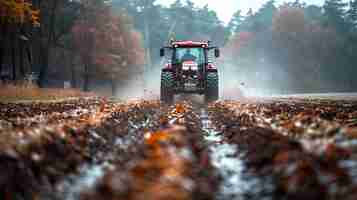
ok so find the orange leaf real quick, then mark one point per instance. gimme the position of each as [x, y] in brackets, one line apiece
[155, 138]
[351, 132]
[180, 108]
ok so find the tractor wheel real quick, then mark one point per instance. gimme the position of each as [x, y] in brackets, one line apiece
[167, 87]
[211, 87]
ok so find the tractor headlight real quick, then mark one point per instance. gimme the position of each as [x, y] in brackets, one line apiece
[185, 67]
[190, 66]
[194, 67]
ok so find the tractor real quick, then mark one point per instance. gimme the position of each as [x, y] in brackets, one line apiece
[189, 70]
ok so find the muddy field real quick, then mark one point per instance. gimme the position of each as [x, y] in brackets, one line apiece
[88, 149]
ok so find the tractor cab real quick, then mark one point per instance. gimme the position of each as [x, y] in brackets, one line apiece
[188, 70]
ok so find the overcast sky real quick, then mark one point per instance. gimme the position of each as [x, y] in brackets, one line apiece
[226, 8]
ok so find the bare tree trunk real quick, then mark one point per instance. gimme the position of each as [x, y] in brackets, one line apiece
[13, 56]
[44, 54]
[29, 57]
[73, 73]
[73, 77]
[114, 85]
[86, 78]
[1, 56]
[21, 58]
[2, 42]
[46, 47]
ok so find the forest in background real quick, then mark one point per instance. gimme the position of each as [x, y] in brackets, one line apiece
[295, 47]
[285, 48]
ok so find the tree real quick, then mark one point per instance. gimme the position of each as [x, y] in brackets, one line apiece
[249, 21]
[334, 15]
[149, 19]
[207, 26]
[18, 12]
[295, 4]
[235, 23]
[352, 13]
[181, 20]
[289, 29]
[259, 21]
[195, 23]
[57, 17]
[352, 36]
[313, 13]
[289, 20]
[106, 43]
[263, 18]
[84, 42]
[17, 17]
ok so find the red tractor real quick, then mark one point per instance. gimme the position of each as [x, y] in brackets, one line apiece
[189, 70]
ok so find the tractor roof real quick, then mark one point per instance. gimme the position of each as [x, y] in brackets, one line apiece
[188, 43]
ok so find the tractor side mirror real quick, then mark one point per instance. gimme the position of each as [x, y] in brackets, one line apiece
[162, 52]
[217, 53]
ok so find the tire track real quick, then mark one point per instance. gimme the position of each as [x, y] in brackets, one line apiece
[291, 171]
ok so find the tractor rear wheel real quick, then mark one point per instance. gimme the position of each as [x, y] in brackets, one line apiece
[167, 87]
[211, 93]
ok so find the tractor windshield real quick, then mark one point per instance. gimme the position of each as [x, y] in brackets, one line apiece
[189, 54]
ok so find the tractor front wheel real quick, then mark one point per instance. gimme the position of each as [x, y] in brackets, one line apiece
[211, 93]
[167, 87]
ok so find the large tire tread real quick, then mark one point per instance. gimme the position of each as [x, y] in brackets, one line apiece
[212, 91]
[167, 87]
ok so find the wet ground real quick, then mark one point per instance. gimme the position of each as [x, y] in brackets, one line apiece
[271, 148]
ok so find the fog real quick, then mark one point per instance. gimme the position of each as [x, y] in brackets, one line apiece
[276, 48]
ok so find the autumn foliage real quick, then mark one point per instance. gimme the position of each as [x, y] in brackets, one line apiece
[291, 44]
[19, 12]
[289, 20]
[107, 41]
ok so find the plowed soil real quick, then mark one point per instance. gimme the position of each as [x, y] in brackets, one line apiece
[88, 149]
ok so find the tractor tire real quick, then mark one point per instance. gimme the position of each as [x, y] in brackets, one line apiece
[211, 93]
[167, 87]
